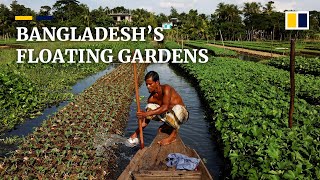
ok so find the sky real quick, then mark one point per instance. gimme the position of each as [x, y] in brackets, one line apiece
[163, 6]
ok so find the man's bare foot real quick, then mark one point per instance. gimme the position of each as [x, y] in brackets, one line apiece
[167, 141]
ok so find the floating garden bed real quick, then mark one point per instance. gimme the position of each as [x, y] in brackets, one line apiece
[65, 145]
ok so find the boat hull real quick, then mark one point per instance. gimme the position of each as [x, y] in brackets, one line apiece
[150, 163]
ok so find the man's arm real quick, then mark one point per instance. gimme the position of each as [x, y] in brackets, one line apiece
[163, 108]
[165, 103]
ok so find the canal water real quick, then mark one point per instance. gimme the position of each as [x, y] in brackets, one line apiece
[195, 133]
[252, 58]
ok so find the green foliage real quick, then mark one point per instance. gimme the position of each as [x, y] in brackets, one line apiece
[250, 103]
[302, 65]
[17, 96]
[12, 140]
[143, 18]
[228, 20]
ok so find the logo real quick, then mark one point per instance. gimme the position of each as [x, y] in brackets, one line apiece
[297, 20]
[30, 18]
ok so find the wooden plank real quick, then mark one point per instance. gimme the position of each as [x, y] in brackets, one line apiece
[166, 178]
[155, 157]
[161, 175]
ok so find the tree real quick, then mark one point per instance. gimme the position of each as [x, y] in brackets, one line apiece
[229, 20]
[268, 9]
[19, 10]
[100, 18]
[161, 18]
[314, 25]
[315, 20]
[65, 10]
[251, 8]
[86, 14]
[173, 13]
[143, 18]
[4, 23]
[252, 18]
[66, 2]
[45, 10]
[119, 9]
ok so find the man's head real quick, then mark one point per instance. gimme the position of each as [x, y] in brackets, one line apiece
[152, 81]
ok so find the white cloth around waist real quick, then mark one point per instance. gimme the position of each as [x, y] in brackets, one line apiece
[178, 113]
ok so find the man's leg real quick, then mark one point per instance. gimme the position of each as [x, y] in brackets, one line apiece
[164, 128]
[173, 125]
[145, 123]
[172, 138]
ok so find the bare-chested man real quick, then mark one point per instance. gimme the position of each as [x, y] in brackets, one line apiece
[164, 104]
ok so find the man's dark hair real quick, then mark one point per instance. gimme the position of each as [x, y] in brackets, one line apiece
[152, 74]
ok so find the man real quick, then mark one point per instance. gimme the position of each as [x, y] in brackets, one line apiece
[164, 104]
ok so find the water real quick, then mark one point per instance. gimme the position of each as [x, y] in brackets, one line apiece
[104, 142]
[247, 57]
[108, 140]
[88, 81]
[195, 133]
[28, 126]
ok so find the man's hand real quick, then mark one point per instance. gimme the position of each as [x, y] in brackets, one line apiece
[142, 115]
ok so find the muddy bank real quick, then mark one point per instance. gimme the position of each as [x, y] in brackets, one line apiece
[10, 46]
[248, 51]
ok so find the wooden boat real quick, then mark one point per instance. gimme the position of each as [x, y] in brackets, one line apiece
[149, 163]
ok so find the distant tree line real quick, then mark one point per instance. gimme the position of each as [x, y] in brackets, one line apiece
[251, 22]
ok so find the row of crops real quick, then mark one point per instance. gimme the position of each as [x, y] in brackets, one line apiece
[64, 147]
[216, 51]
[307, 86]
[26, 89]
[302, 65]
[250, 102]
[273, 47]
[265, 46]
[252, 115]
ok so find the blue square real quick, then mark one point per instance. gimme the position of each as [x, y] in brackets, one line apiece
[302, 20]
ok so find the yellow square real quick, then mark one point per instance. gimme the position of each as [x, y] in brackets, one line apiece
[23, 18]
[292, 20]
